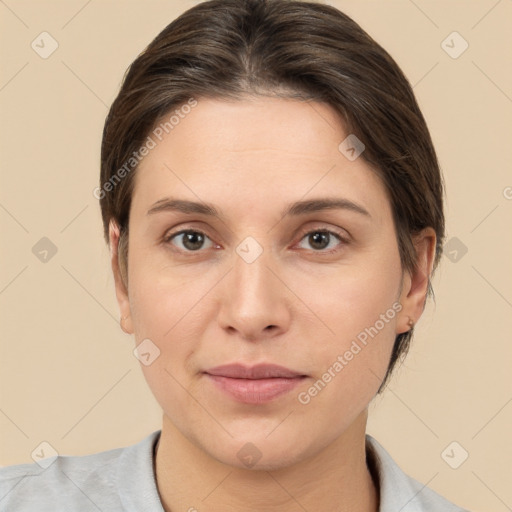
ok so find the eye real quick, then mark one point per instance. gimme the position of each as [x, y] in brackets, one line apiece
[320, 239]
[191, 240]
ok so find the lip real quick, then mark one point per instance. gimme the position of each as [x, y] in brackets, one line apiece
[259, 371]
[254, 384]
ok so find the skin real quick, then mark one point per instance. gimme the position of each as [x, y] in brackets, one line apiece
[251, 159]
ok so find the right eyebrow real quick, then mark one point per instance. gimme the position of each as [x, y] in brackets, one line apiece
[183, 206]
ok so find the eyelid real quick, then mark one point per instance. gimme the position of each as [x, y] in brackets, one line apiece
[167, 238]
[341, 233]
[343, 240]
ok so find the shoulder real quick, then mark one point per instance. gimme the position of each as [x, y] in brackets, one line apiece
[65, 481]
[399, 491]
[81, 483]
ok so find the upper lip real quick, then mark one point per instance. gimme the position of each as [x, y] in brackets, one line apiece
[259, 371]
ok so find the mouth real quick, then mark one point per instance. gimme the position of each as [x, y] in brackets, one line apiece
[259, 371]
[254, 384]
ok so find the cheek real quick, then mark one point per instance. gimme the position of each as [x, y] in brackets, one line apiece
[351, 364]
[162, 299]
[168, 308]
[172, 318]
[353, 297]
[359, 306]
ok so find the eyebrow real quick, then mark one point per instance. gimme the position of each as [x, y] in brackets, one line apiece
[295, 209]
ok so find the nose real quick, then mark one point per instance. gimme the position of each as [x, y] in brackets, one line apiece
[255, 301]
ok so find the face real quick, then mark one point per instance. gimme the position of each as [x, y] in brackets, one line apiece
[315, 290]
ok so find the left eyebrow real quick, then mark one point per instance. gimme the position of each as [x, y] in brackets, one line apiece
[315, 205]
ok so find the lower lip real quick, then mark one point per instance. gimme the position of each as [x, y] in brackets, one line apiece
[255, 391]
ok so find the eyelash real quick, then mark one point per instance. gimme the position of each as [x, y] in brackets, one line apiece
[339, 236]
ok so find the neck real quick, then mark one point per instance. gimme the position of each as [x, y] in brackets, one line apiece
[337, 479]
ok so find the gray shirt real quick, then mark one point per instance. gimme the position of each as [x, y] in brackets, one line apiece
[123, 479]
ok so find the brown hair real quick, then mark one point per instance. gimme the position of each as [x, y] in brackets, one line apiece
[293, 49]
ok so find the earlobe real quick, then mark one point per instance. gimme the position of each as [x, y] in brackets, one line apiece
[120, 288]
[415, 284]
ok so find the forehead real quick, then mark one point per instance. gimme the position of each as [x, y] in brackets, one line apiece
[256, 151]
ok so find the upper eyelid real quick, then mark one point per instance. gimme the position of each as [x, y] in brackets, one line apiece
[169, 236]
[304, 231]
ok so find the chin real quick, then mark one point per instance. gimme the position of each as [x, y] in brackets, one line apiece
[255, 453]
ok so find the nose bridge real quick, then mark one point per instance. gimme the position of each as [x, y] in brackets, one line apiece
[253, 299]
[250, 272]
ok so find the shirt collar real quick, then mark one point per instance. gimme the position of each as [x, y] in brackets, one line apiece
[398, 492]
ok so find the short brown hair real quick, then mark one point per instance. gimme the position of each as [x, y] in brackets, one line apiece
[227, 49]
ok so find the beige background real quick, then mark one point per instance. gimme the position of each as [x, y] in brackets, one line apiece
[67, 372]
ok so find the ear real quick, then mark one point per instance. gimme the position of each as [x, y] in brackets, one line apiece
[415, 284]
[121, 290]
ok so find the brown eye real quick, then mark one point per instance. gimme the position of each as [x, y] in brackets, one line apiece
[188, 240]
[321, 239]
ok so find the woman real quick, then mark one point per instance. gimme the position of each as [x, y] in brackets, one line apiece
[273, 204]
